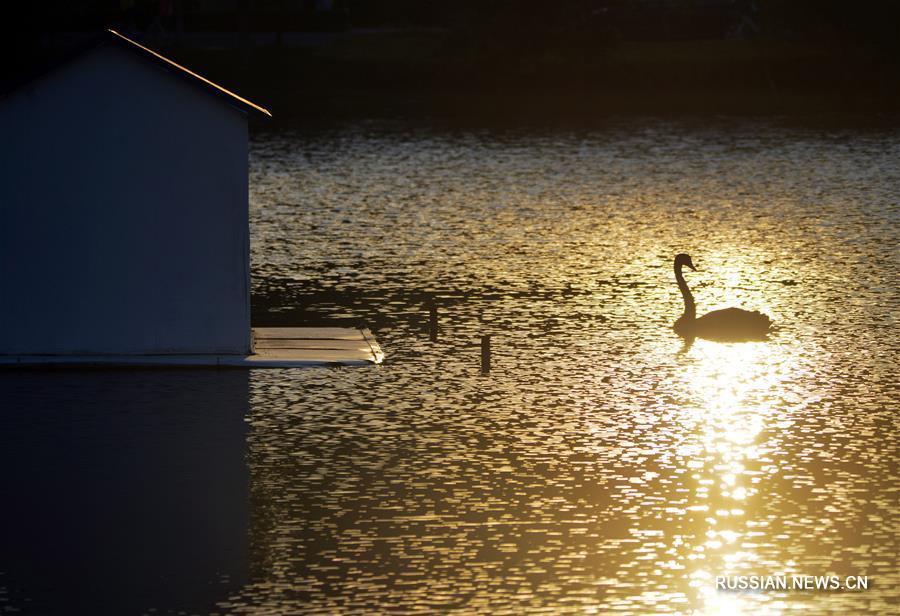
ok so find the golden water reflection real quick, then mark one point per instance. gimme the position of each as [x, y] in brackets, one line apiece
[727, 398]
[735, 391]
[599, 467]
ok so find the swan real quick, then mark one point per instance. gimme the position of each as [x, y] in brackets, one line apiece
[732, 324]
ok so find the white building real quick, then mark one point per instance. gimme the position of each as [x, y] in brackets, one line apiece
[124, 210]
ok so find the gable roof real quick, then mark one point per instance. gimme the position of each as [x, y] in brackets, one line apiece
[182, 71]
[111, 37]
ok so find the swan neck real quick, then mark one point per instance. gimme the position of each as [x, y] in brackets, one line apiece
[690, 309]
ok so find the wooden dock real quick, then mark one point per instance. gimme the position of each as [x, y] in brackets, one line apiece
[286, 347]
[273, 347]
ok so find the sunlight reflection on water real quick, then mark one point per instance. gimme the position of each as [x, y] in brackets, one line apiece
[600, 467]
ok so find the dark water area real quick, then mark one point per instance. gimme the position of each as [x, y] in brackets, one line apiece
[123, 490]
[601, 467]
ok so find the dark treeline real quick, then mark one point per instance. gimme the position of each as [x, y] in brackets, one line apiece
[616, 55]
[862, 20]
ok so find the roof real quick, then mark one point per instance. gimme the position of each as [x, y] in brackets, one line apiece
[203, 81]
[112, 37]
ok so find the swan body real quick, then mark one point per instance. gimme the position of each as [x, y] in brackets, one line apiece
[731, 324]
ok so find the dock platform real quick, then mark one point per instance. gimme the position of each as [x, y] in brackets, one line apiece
[287, 347]
[273, 347]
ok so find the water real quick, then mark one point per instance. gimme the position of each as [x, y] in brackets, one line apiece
[602, 466]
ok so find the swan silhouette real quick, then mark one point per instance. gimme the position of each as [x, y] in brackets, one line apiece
[730, 324]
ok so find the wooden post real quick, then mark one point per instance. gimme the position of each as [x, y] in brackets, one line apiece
[432, 321]
[485, 353]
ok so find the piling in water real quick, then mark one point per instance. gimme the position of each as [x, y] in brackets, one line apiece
[486, 353]
[432, 322]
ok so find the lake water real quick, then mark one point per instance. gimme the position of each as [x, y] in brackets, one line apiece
[601, 466]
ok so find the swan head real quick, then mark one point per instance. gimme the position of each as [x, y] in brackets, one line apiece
[684, 259]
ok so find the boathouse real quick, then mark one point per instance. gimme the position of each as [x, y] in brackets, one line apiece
[124, 222]
[124, 209]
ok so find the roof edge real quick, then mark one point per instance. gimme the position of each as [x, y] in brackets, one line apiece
[167, 62]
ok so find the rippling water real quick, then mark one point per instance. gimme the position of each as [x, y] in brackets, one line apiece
[601, 466]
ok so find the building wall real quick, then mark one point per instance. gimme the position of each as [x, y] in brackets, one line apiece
[123, 213]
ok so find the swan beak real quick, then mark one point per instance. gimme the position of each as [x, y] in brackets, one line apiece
[691, 265]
